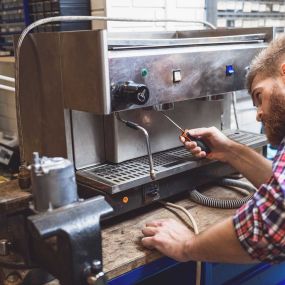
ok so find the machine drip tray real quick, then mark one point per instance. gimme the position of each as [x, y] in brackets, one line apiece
[113, 178]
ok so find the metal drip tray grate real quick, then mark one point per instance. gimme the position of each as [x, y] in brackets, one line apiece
[136, 168]
[244, 138]
[135, 172]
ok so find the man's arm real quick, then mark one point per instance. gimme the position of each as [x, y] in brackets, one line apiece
[217, 244]
[249, 163]
[252, 165]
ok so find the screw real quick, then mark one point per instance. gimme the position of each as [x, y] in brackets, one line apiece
[96, 265]
[93, 279]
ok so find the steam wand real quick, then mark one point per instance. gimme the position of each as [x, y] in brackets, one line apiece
[135, 126]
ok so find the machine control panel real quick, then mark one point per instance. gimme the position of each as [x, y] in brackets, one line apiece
[130, 92]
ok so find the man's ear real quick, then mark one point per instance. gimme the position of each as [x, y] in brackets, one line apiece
[283, 69]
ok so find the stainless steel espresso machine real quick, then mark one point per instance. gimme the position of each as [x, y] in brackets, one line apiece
[96, 98]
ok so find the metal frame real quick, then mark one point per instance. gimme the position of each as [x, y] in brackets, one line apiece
[143, 274]
[212, 273]
[211, 11]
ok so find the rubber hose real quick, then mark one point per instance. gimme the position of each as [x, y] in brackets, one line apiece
[227, 203]
[236, 183]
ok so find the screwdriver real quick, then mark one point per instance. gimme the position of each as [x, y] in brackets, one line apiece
[188, 137]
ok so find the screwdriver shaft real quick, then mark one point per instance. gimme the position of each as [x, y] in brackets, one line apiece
[173, 122]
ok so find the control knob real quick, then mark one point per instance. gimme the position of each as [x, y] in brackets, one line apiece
[131, 92]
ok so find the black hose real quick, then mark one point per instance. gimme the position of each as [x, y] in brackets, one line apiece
[227, 203]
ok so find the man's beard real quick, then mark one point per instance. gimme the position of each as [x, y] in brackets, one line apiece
[274, 121]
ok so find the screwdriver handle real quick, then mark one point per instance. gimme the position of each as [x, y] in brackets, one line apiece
[199, 142]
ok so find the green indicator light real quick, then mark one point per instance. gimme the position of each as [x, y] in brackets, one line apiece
[144, 72]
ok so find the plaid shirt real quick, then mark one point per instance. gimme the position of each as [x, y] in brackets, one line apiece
[260, 223]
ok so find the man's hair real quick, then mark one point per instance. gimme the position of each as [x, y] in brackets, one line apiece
[267, 62]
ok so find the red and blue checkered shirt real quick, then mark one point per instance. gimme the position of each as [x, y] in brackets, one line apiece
[260, 223]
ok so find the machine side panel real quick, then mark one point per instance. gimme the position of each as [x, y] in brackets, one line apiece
[83, 71]
[88, 138]
[40, 114]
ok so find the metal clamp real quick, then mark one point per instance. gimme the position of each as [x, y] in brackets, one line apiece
[75, 233]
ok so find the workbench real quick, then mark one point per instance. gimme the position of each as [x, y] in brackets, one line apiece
[9, 59]
[127, 262]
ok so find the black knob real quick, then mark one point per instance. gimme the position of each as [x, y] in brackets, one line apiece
[131, 92]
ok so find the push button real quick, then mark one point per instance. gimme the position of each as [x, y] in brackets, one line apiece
[177, 75]
[229, 70]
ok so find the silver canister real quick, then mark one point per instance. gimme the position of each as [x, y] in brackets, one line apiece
[53, 183]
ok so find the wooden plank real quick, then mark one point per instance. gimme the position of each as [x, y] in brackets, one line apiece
[7, 59]
[12, 197]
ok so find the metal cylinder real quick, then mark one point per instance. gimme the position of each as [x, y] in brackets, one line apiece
[53, 183]
[4, 247]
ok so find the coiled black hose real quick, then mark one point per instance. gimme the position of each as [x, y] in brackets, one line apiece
[227, 203]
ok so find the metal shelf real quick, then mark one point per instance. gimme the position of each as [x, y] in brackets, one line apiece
[260, 1]
[251, 14]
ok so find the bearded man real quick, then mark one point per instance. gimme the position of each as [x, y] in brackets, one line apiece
[257, 231]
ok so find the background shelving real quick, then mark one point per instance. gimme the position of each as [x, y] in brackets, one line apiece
[250, 13]
[15, 15]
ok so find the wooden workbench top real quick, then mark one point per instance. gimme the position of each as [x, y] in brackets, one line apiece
[122, 249]
[121, 238]
[9, 59]
[12, 197]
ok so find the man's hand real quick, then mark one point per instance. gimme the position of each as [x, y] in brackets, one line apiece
[169, 237]
[218, 243]
[214, 138]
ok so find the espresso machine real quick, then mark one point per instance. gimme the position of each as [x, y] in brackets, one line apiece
[94, 113]
[99, 99]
